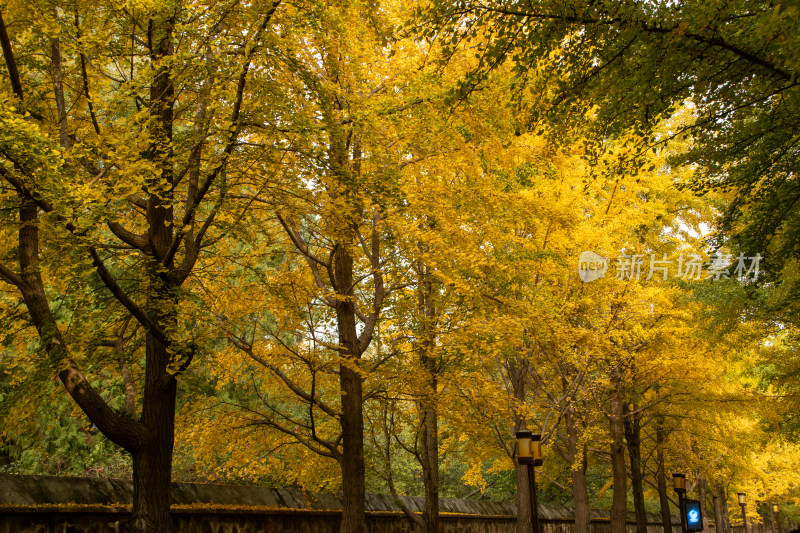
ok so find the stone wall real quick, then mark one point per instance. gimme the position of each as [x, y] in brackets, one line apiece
[43, 504]
[76, 520]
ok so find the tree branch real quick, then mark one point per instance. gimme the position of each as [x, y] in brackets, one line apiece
[296, 389]
[11, 277]
[112, 285]
[740, 52]
[11, 63]
[228, 150]
[128, 237]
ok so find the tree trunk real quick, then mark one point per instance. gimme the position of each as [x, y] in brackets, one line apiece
[721, 502]
[352, 420]
[661, 478]
[430, 466]
[701, 496]
[353, 486]
[429, 456]
[427, 453]
[632, 425]
[516, 374]
[152, 471]
[517, 371]
[619, 504]
[718, 519]
[152, 462]
[580, 492]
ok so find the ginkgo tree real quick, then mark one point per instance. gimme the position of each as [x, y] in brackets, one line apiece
[356, 121]
[281, 208]
[526, 263]
[116, 173]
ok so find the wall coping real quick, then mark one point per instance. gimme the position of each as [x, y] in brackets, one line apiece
[25, 494]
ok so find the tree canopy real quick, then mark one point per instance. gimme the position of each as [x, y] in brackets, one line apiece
[342, 247]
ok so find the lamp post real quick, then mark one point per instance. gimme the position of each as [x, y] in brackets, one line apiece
[679, 486]
[743, 503]
[529, 452]
[776, 522]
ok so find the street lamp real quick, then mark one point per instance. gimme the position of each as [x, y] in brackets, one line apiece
[529, 452]
[743, 503]
[679, 486]
[776, 518]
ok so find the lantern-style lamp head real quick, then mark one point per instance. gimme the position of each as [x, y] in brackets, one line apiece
[775, 508]
[742, 498]
[679, 482]
[529, 448]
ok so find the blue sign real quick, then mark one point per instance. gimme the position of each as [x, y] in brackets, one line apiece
[693, 515]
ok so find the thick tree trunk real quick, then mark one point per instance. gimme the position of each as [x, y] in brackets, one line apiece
[353, 486]
[352, 419]
[152, 473]
[632, 425]
[661, 479]
[430, 466]
[151, 488]
[152, 462]
[619, 504]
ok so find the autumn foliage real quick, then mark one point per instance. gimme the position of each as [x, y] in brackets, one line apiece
[337, 247]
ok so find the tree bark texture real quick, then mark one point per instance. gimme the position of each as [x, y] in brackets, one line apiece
[429, 427]
[718, 521]
[352, 418]
[619, 504]
[353, 485]
[430, 468]
[152, 462]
